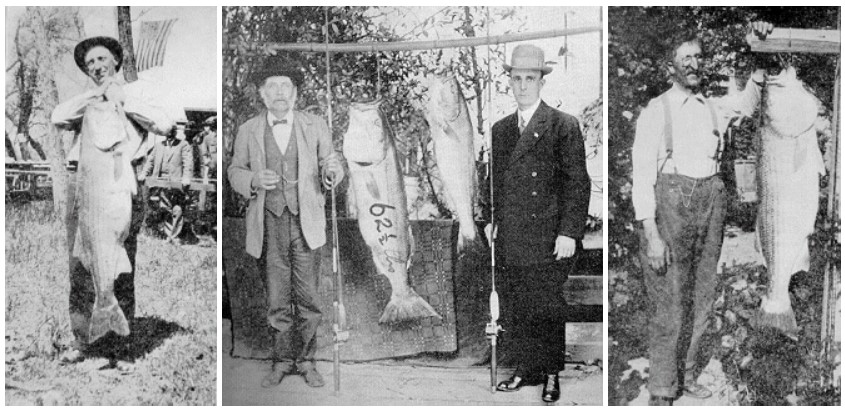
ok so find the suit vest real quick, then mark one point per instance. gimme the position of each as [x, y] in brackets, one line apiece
[286, 165]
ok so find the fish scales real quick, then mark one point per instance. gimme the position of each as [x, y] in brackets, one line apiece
[452, 133]
[106, 182]
[788, 165]
[379, 195]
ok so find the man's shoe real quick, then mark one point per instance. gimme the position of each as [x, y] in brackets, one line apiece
[510, 385]
[658, 401]
[274, 378]
[551, 389]
[312, 377]
[693, 389]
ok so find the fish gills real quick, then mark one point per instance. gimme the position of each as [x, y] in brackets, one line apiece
[451, 131]
[789, 163]
[381, 204]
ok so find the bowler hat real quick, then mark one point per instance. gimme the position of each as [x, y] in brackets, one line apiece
[85, 45]
[275, 65]
[527, 56]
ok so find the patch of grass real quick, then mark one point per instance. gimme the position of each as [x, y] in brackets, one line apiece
[170, 359]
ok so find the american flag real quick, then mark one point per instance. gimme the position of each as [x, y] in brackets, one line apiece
[152, 43]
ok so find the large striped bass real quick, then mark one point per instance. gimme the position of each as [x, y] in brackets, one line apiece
[379, 195]
[451, 131]
[106, 182]
[788, 166]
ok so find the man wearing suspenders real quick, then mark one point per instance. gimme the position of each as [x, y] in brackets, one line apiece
[680, 201]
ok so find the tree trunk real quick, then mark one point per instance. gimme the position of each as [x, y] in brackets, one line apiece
[124, 28]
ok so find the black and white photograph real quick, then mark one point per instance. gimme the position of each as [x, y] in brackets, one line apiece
[412, 206]
[724, 179]
[111, 206]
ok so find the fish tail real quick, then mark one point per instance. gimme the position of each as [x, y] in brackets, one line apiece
[107, 316]
[467, 237]
[771, 314]
[408, 307]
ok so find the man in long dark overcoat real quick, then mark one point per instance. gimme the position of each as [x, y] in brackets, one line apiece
[541, 193]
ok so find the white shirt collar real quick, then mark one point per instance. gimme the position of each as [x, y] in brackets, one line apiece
[271, 118]
[527, 114]
[682, 95]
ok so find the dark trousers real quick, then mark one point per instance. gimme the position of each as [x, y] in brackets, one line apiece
[690, 218]
[533, 307]
[82, 291]
[292, 271]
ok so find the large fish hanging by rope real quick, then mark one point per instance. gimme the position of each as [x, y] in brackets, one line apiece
[106, 183]
[379, 195]
[788, 166]
[451, 131]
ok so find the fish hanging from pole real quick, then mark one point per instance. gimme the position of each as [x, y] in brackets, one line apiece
[788, 167]
[379, 193]
[454, 151]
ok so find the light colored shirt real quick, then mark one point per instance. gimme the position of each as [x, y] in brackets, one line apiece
[283, 131]
[526, 115]
[694, 142]
[143, 111]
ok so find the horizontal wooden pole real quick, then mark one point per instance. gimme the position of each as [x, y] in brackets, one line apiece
[797, 40]
[268, 47]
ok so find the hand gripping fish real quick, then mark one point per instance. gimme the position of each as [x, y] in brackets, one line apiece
[788, 165]
[376, 180]
[106, 183]
[451, 131]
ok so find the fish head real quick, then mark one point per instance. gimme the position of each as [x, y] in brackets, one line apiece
[790, 109]
[366, 140]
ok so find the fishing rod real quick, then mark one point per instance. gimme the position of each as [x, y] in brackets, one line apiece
[338, 310]
[492, 328]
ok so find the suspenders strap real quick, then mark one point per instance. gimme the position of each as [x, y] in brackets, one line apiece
[667, 130]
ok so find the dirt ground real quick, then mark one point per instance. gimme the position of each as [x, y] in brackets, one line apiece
[382, 384]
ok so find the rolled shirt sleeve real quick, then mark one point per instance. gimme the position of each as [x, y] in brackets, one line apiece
[644, 157]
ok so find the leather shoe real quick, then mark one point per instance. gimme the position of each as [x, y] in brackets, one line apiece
[693, 389]
[510, 385]
[312, 377]
[551, 388]
[274, 378]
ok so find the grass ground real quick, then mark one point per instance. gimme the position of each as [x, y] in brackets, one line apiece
[743, 365]
[170, 358]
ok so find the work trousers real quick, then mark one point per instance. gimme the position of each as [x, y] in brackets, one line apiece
[533, 315]
[292, 273]
[690, 218]
[82, 291]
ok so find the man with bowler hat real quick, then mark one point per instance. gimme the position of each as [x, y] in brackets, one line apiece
[281, 157]
[541, 192]
[100, 58]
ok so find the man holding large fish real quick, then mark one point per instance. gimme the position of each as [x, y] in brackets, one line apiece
[281, 157]
[680, 203]
[541, 192]
[111, 121]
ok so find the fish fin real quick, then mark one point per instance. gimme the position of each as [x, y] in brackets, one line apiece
[802, 260]
[372, 186]
[412, 247]
[106, 318]
[409, 307]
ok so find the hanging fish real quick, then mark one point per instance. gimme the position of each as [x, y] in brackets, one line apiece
[379, 194]
[788, 168]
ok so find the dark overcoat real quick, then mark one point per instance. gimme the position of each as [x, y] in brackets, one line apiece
[541, 186]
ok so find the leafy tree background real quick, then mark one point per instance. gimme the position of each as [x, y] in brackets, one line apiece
[637, 46]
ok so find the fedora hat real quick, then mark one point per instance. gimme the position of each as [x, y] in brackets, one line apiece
[527, 56]
[275, 65]
[85, 45]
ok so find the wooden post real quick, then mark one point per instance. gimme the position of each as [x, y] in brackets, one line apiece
[124, 29]
[797, 40]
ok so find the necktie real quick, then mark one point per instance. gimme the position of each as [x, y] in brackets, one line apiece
[521, 124]
[280, 122]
